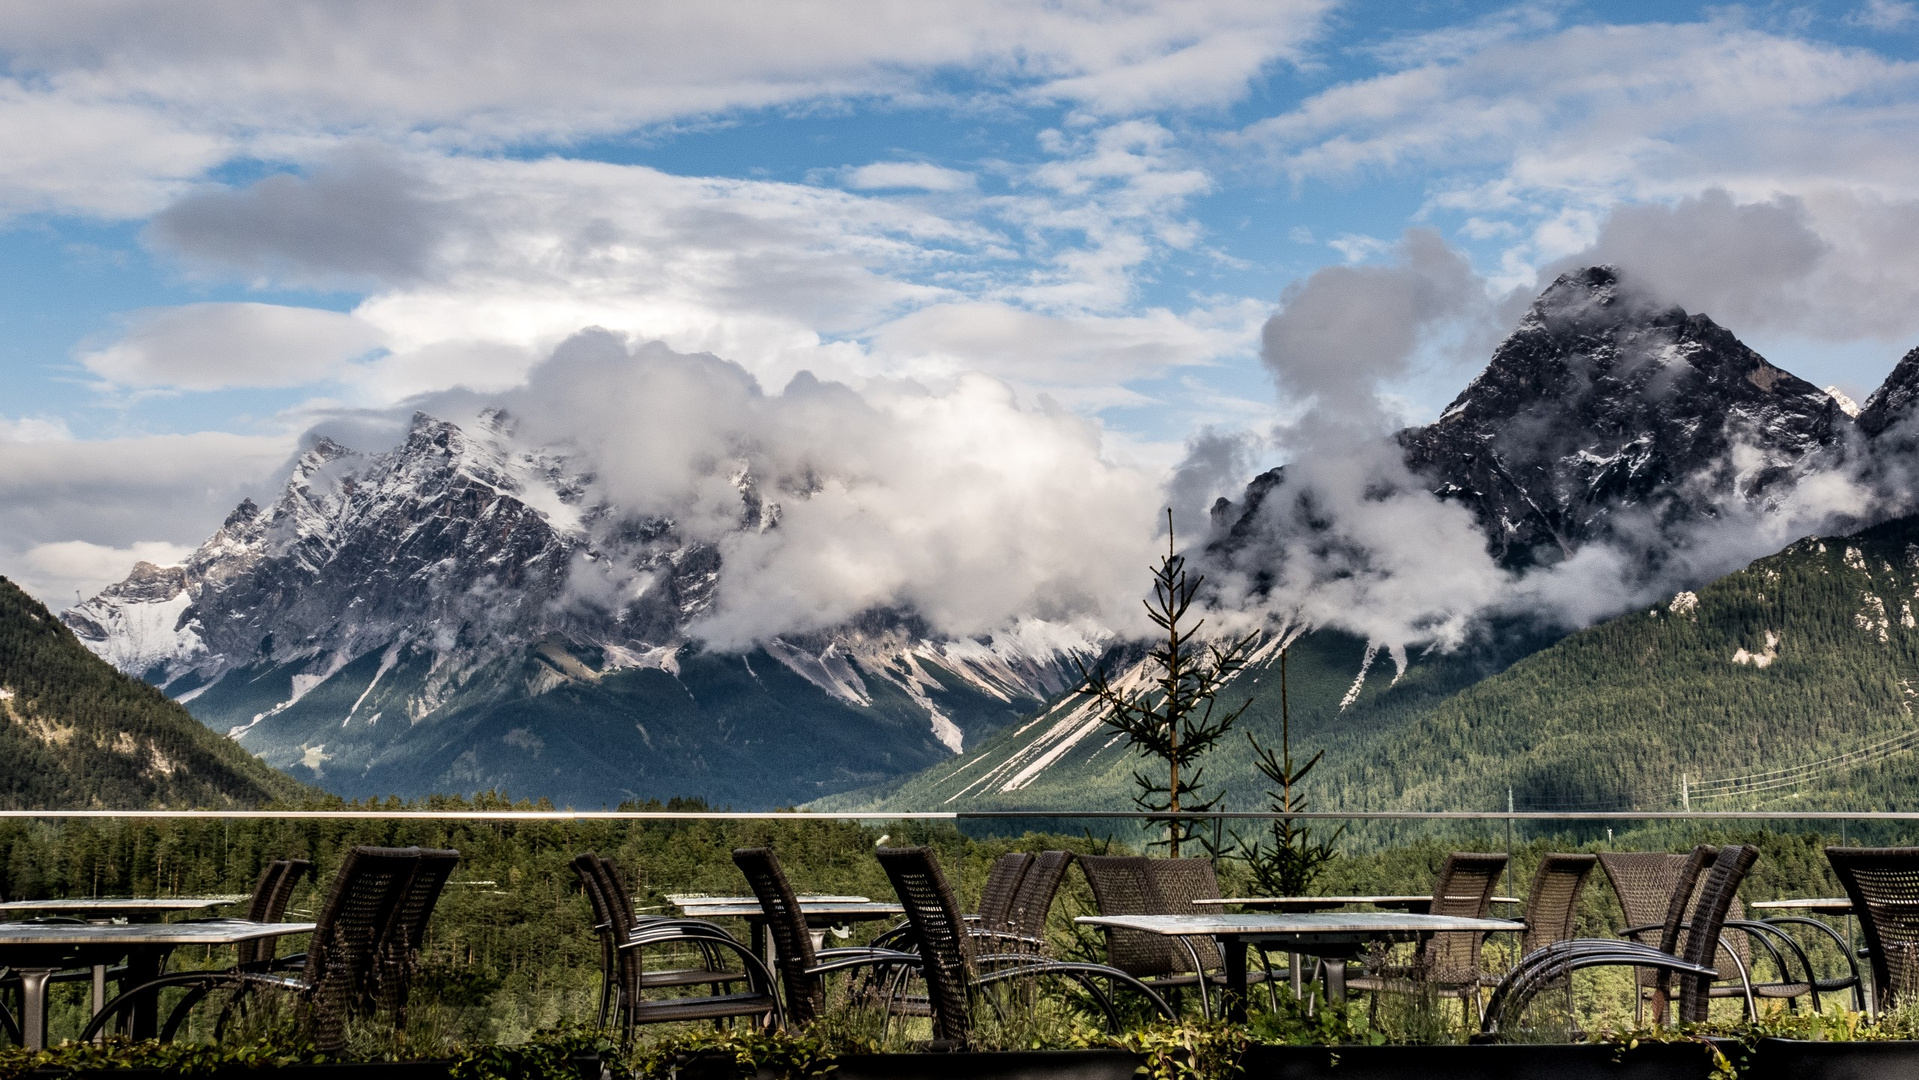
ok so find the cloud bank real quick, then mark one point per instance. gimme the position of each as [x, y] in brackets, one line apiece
[956, 505]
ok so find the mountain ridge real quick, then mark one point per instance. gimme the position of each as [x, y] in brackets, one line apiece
[77, 734]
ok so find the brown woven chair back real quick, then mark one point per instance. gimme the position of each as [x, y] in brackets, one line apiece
[1034, 901]
[404, 938]
[607, 926]
[786, 926]
[618, 896]
[1180, 882]
[1554, 898]
[939, 930]
[269, 904]
[1884, 886]
[1645, 882]
[1002, 886]
[1708, 917]
[1122, 885]
[1465, 887]
[343, 953]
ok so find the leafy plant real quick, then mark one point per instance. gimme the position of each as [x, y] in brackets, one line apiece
[1194, 1050]
[1171, 717]
[793, 1056]
[1295, 859]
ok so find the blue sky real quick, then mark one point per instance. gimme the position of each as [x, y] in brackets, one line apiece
[225, 224]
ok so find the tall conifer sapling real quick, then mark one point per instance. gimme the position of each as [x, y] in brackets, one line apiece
[1170, 717]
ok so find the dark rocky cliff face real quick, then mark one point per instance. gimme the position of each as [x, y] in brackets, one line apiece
[1601, 405]
[1605, 416]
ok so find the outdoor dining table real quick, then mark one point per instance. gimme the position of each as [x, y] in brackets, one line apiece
[110, 908]
[820, 912]
[36, 950]
[1402, 902]
[1334, 936]
[1819, 905]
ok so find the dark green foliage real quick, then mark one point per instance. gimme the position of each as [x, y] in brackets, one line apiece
[75, 733]
[1288, 859]
[1609, 718]
[1171, 720]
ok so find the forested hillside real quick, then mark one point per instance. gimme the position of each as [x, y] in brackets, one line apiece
[1787, 684]
[75, 733]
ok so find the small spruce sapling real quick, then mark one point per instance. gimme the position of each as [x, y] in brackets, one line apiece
[1170, 718]
[1294, 860]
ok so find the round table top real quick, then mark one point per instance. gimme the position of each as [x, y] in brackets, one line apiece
[118, 906]
[1823, 905]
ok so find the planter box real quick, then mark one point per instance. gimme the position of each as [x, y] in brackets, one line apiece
[993, 1065]
[1649, 1061]
[379, 1070]
[1802, 1060]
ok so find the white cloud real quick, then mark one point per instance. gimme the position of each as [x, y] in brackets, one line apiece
[33, 429]
[1884, 15]
[920, 175]
[119, 493]
[481, 266]
[959, 504]
[1035, 348]
[109, 158]
[1553, 137]
[123, 100]
[212, 346]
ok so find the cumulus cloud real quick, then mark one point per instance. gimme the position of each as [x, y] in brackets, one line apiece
[1346, 332]
[1746, 265]
[920, 175]
[959, 506]
[1349, 537]
[359, 215]
[1798, 155]
[212, 346]
[482, 266]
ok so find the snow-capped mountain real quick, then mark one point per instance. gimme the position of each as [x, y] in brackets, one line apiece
[454, 615]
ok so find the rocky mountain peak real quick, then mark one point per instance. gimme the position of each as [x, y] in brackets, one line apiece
[1602, 403]
[1605, 414]
[1893, 403]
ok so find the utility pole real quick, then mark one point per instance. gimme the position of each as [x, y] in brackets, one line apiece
[1685, 792]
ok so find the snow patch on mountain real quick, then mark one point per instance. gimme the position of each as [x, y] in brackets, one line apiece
[141, 624]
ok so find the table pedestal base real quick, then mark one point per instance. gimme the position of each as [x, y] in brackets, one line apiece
[33, 1006]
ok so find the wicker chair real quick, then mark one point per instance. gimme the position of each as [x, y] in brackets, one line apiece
[954, 973]
[995, 907]
[359, 956]
[1699, 928]
[269, 904]
[802, 969]
[1447, 963]
[623, 977]
[1138, 885]
[1645, 882]
[1551, 904]
[1884, 886]
[1034, 900]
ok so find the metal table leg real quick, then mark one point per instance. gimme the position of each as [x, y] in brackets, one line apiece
[33, 1005]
